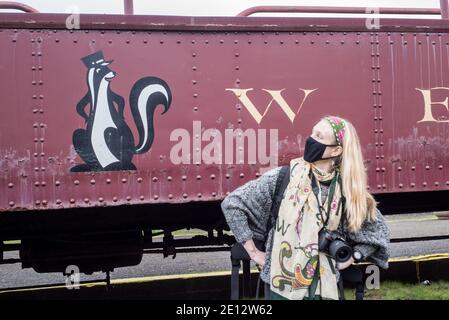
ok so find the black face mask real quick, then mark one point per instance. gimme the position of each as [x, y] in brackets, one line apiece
[314, 150]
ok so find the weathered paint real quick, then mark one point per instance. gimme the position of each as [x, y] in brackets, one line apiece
[376, 78]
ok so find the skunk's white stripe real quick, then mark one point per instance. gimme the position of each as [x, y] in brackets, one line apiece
[91, 87]
[102, 121]
[142, 107]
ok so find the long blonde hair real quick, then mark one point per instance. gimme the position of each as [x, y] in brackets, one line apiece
[360, 204]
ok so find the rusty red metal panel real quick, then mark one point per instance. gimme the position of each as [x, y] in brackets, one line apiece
[256, 80]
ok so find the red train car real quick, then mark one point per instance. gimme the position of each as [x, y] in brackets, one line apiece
[132, 123]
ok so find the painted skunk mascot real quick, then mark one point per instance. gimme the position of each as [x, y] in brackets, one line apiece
[107, 143]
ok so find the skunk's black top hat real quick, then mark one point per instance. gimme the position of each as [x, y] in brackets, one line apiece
[95, 59]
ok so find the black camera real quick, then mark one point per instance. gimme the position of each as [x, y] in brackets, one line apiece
[335, 245]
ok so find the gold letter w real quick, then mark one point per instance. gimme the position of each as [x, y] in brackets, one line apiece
[241, 94]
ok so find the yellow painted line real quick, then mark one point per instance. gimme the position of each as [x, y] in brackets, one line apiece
[185, 276]
[428, 218]
[428, 257]
[136, 280]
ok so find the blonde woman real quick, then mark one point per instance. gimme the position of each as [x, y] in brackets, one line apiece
[326, 195]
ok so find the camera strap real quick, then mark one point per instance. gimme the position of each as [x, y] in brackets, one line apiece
[317, 192]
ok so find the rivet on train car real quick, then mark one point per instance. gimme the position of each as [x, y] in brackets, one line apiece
[32, 40]
[155, 179]
[43, 183]
[382, 156]
[312, 42]
[357, 42]
[433, 42]
[412, 184]
[399, 168]
[124, 180]
[249, 42]
[142, 197]
[199, 195]
[184, 178]
[114, 199]
[424, 184]
[227, 176]
[110, 41]
[42, 139]
[384, 186]
[383, 169]
[145, 41]
[296, 41]
[35, 154]
[242, 175]
[198, 177]
[139, 180]
[266, 42]
[237, 68]
[155, 197]
[257, 174]
[193, 81]
[127, 41]
[184, 195]
[239, 121]
[342, 42]
[36, 140]
[170, 196]
[401, 185]
[194, 54]
[381, 144]
[447, 183]
[214, 194]
[281, 42]
[195, 95]
[377, 169]
[375, 130]
[101, 199]
[193, 41]
[178, 41]
[108, 181]
[57, 183]
[194, 68]
[37, 202]
[169, 178]
[436, 183]
[405, 43]
[75, 41]
[33, 83]
[36, 184]
[236, 42]
[440, 167]
[238, 82]
[427, 167]
[419, 42]
[195, 108]
[92, 181]
[413, 168]
[236, 54]
[227, 193]
[391, 42]
[10, 185]
[128, 198]
[58, 201]
[11, 203]
[42, 154]
[41, 83]
[76, 182]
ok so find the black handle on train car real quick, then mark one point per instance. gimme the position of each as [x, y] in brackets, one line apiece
[12, 5]
[443, 10]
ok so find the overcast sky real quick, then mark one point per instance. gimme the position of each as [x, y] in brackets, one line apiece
[210, 7]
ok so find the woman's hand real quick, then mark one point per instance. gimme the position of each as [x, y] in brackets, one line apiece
[344, 265]
[259, 258]
[255, 254]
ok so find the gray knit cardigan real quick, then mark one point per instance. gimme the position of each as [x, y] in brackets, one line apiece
[247, 210]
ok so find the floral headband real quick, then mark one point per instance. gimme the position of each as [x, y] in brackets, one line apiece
[338, 125]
